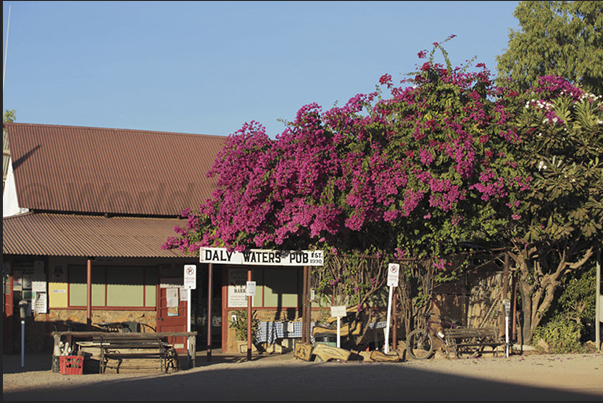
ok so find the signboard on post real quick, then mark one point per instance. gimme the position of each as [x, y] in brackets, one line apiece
[262, 257]
[190, 276]
[393, 274]
[338, 312]
[190, 283]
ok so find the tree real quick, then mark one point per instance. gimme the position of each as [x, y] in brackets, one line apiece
[446, 157]
[561, 128]
[9, 116]
[409, 176]
[561, 38]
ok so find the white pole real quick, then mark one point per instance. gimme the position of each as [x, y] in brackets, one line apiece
[507, 335]
[188, 326]
[389, 314]
[5, 50]
[338, 332]
[22, 343]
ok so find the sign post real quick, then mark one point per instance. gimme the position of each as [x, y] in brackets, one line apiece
[338, 312]
[507, 307]
[250, 292]
[190, 282]
[393, 275]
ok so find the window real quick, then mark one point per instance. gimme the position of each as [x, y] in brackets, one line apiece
[114, 286]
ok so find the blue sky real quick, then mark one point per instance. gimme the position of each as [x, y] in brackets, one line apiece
[208, 67]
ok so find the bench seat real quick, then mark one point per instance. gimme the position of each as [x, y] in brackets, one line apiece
[141, 351]
[459, 339]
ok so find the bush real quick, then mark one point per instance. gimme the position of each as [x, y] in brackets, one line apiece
[240, 325]
[561, 335]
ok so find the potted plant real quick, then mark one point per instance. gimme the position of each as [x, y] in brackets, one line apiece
[239, 324]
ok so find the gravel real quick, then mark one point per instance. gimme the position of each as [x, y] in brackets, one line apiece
[528, 376]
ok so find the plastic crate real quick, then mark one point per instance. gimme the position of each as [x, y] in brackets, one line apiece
[326, 338]
[72, 365]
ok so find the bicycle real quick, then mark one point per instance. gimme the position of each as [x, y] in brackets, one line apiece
[419, 342]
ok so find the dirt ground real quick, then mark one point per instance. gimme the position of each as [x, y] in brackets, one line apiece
[526, 376]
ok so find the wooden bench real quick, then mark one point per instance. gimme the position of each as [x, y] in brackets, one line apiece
[472, 340]
[145, 350]
[90, 342]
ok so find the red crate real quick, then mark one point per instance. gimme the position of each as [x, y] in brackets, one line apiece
[72, 365]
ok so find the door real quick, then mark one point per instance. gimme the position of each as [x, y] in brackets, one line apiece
[171, 309]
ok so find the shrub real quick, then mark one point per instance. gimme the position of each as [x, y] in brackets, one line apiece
[561, 335]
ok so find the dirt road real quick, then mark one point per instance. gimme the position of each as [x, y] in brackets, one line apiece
[569, 377]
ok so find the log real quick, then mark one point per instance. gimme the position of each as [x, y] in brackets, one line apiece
[303, 351]
[326, 353]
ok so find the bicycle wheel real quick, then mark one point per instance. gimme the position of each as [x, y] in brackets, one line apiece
[419, 344]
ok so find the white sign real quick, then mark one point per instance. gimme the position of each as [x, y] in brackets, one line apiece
[41, 303]
[190, 276]
[262, 257]
[250, 292]
[338, 311]
[393, 274]
[237, 288]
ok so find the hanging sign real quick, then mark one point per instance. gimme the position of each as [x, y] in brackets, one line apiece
[250, 291]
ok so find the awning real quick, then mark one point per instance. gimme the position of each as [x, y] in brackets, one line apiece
[88, 236]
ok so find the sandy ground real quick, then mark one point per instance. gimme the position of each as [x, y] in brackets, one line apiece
[526, 376]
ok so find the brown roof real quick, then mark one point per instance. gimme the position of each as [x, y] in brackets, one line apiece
[88, 236]
[114, 171]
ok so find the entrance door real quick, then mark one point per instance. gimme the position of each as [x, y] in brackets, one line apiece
[171, 310]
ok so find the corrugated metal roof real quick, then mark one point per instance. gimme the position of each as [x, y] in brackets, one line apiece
[88, 236]
[114, 171]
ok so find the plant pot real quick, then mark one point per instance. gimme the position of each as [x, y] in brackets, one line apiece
[242, 347]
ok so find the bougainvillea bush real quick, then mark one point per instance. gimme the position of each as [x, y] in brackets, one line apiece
[411, 171]
[407, 171]
[408, 174]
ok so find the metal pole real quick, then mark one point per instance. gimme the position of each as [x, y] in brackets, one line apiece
[22, 343]
[188, 327]
[395, 326]
[389, 315]
[5, 50]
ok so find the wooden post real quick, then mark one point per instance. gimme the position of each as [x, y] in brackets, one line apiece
[192, 343]
[308, 303]
[8, 304]
[304, 303]
[209, 308]
[249, 319]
